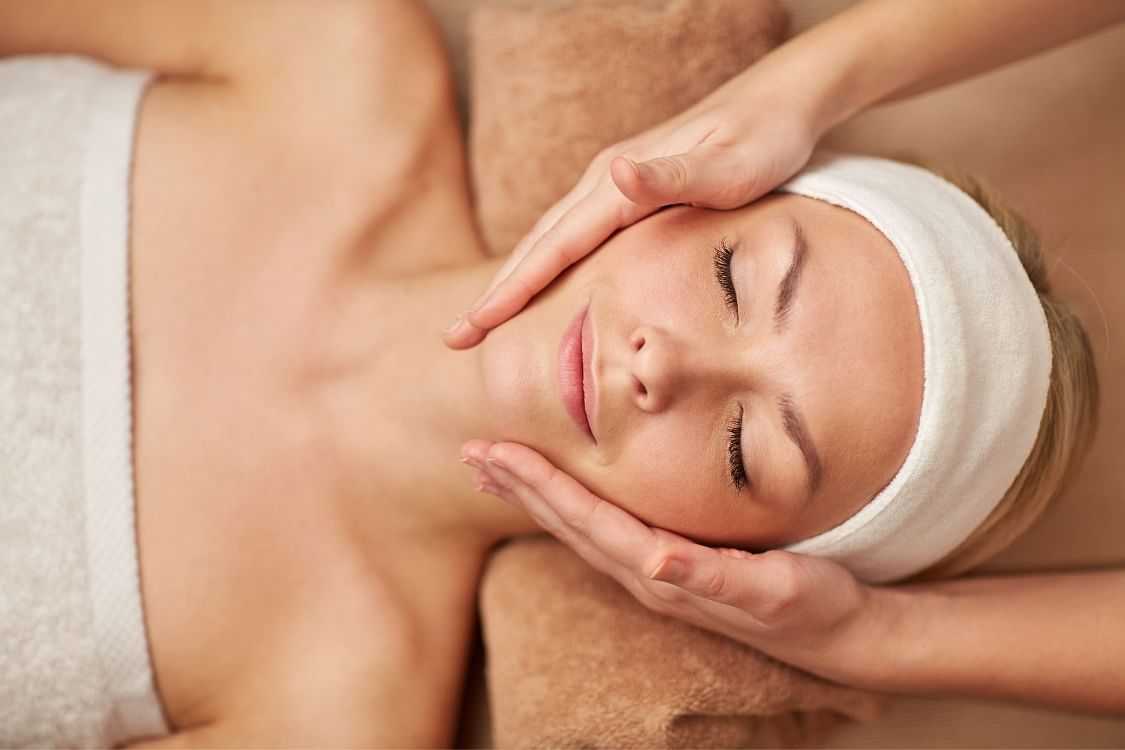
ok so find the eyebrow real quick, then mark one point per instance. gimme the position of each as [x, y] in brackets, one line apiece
[791, 417]
[787, 288]
[795, 428]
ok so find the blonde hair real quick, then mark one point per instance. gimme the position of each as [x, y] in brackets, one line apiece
[1069, 418]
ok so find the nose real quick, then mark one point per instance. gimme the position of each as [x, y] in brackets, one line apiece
[665, 368]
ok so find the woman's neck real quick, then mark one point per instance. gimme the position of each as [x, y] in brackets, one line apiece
[411, 404]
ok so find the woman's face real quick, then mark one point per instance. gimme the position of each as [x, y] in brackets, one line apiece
[753, 406]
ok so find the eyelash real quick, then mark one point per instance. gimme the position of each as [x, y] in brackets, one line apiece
[734, 453]
[721, 263]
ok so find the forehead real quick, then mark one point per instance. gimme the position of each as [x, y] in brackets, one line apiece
[858, 345]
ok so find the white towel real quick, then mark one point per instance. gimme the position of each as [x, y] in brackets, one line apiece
[74, 662]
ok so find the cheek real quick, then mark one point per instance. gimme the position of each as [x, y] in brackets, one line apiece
[670, 475]
[650, 270]
[672, 294]
[660, 477]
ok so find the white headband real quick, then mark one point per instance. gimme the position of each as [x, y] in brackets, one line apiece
[986, 366]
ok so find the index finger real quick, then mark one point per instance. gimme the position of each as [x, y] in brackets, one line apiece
[580, 230]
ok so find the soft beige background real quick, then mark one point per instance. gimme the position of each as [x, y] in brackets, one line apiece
[1049, 133]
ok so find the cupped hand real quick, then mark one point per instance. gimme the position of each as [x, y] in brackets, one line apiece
[731, 148]
[803, 610]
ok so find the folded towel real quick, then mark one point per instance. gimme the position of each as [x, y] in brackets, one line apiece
[550, 85]
[575, 661]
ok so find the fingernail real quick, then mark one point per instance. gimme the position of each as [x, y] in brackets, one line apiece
[670, 571]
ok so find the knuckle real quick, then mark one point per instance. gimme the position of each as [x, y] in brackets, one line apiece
[676, 171]
[551, 479]
[714, 586]
[785, 588]
[577, 521]
[583, 519]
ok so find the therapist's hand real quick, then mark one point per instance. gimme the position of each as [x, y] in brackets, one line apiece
[759, 128]
[802, 610]
[736, 145]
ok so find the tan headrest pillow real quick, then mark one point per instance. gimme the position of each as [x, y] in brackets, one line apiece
[550, 86]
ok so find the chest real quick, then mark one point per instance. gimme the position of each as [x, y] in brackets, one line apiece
[244, 282]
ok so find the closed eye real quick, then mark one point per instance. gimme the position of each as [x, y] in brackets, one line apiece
[737, 468]
[721, 263]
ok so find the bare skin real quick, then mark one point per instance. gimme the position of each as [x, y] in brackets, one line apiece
[260, 310]
[309, 548]
[282, 559]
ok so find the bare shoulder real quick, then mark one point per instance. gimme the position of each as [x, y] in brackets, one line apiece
[322, 128]
[368, 85]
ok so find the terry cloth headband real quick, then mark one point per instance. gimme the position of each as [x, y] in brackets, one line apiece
[986, 366]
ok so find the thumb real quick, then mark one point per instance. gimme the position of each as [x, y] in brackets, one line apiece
[770, 586]
[711, 176]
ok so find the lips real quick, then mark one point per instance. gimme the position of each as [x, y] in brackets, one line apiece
[576, 384]
[589, 380]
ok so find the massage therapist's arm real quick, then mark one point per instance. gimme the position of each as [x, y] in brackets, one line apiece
[760, 128]
[882, 50]
[1053, 639]
[1056, 639]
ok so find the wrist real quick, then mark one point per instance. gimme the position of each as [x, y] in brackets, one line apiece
[913, 655]
[889, 644]
[801, 83]
[835, 70]
[829, 73]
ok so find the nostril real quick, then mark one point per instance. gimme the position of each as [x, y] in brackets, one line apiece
[638, 342]
[640, 387]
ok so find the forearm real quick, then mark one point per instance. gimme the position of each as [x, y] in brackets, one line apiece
[1053, 639]
[881, 50]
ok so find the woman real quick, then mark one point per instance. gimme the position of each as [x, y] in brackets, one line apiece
[735, 145]
[307, 575]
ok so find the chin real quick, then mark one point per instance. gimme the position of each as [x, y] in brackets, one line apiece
[516, 383]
